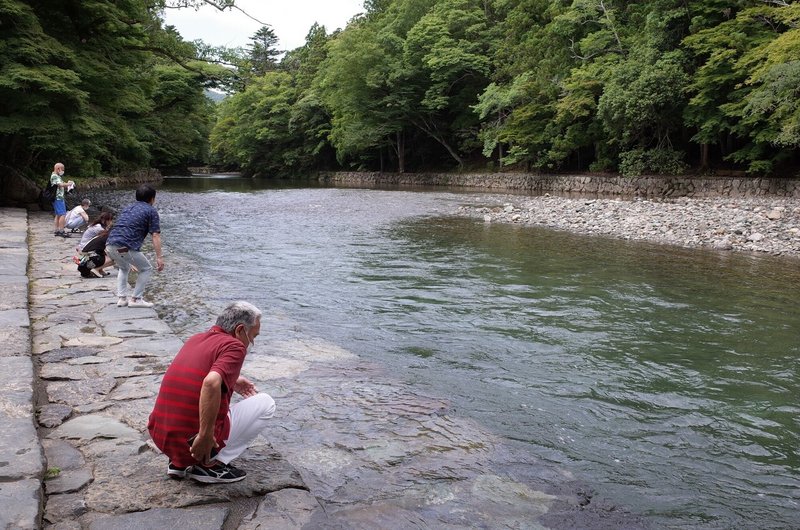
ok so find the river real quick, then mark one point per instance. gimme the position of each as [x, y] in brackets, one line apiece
[665, 379]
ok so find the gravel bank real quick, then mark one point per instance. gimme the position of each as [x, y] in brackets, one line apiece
[754, 224]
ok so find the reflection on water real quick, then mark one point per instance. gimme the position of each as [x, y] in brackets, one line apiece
[665, 378]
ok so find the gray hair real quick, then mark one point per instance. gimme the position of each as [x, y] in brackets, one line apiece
[238, 313]
[86, 202]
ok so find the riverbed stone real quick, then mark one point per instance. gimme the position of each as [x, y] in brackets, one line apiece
[265, 368]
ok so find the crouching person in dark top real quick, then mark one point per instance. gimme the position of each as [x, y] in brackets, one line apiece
[192, 421]
[93, 259]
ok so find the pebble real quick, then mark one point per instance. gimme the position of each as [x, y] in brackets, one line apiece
[752, 224]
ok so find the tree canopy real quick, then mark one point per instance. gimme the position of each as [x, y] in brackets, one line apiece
[642, 86]
[647, 86]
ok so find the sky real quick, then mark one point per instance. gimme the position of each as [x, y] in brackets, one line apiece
[290, 19]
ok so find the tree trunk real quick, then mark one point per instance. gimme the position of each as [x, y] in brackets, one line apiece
[704, 155]
[430, 131]
[401, 152]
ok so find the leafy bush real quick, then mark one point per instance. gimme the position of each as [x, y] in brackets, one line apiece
[651, 161]
[602, 165]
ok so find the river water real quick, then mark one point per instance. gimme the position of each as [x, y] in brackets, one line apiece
[664, 379]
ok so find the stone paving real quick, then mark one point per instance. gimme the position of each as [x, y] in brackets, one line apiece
[98, 369]
[21, 455]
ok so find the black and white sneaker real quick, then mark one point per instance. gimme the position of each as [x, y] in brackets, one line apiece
[218, 474]
[176, 472]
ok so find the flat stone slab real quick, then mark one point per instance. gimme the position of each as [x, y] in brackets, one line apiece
[286, 508]
[91, 426]
[77, 393]
[62, 354]
[90, 341]
[68, 506]
[62, 455]
[68, 481]
[143, 327]
[15, 291]
[101, 367]
[137, 388]
[14, 342]
[19, 504]
[53, 415]
[160, 345]
[127, 482]
[14, 260]
[206, 518]
[20, 453]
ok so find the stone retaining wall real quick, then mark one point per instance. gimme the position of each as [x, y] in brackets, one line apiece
[142, 176]
[592, 185]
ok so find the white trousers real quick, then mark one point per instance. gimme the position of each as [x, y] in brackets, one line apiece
[248, 418]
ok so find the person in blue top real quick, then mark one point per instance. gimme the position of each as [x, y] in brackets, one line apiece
[59, 206]
[124, 246]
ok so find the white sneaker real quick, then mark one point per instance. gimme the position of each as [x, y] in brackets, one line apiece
[141, 302]
[122, 301]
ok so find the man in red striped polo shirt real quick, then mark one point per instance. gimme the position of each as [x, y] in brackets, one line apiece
[192, 421]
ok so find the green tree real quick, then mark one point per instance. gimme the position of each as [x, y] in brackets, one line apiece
[263, 52]
[742, 97]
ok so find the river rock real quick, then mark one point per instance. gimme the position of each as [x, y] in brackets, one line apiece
[774, 215]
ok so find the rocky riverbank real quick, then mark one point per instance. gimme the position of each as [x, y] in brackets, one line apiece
[764, 224]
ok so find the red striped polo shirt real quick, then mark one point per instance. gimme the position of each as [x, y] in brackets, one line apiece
[176, 414]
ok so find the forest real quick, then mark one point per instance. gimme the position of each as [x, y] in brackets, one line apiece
[635, 87]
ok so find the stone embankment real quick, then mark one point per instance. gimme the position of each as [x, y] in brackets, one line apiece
[754, 224]
[583, 185]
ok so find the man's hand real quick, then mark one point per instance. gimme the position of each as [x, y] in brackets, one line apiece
[244, 387]
[201, 448]
[157, 247]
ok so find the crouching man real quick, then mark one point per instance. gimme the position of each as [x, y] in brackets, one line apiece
[192, 422]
